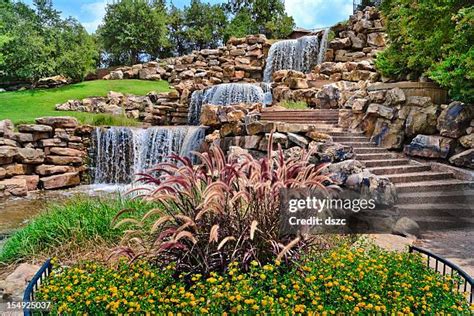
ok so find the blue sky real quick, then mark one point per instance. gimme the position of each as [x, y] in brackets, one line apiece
[307, 13]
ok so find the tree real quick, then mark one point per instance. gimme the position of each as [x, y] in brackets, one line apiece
[268, 16]
[133, 28]
[195, 27]
[38, 43]
[426, 39]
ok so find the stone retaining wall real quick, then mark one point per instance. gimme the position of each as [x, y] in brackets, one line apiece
[50, 154]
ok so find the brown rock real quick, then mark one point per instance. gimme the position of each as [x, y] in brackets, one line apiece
[209, 115]
[34, 128]
[31, 181]
[17, 169]
[455, 119]
[15, 187]
[63, 160]
[61, 151]
[58, 121]
[47, 170]
[318, 136]
[376, 39]
[60, 181]
[464, 159]
[467, 141]
[7, 154]
[30, 156]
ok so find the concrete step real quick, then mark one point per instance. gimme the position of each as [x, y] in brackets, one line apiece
[349, 138]
[385, 162]
[368, 150]
[377, 156]
[419, 176]
[301, 121]
[436, 211]
[345, 133]
[438, 185]
[358, 144]
[453, 197]
[399, 169]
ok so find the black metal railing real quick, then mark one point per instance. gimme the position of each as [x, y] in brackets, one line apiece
[34, 285]
[445, 267]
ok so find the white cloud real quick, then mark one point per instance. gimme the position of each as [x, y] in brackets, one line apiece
[92, 14]
[318, 13]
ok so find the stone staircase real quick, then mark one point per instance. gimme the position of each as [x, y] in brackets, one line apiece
[320, 117]
[424, 194]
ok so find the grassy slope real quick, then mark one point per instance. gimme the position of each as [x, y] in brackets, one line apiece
[25, 106]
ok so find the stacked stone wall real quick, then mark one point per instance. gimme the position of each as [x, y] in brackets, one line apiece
[50, 154]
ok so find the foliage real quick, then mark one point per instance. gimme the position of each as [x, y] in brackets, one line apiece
[25, 106]
[70, 225]
[345, 281]
[456, 69]
[297, 105]
[266, 16]
[223, 210]
[109, 120]
[38, 43]
[430, 39]
[133, 28]
[197, 26]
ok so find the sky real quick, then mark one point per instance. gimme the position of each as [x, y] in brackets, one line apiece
[307, 13]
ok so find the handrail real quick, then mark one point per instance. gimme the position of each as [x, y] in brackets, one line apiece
[467, 278]
[34, 284]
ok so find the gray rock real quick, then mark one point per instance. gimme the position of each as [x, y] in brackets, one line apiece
[406, 227]
[455, 119]
[464, 159]
[430, 146]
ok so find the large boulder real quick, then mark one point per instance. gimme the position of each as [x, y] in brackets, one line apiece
[13, 286]
[31, 181]
[464, 159]
[381, 110]
[455, 119]
[388, 134]
[47, 170]
[331, 152]
[34, 128]
[421, 120]
[430, 146]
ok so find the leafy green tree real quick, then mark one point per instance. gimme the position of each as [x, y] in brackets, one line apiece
[132, 29]
[241, 25]
[197, 26]
[430, 38]
[268, 16]
[38, 43]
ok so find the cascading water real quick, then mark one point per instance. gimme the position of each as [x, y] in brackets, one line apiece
[323, 46]
[301, 54]
[122, 152]
[223, 94]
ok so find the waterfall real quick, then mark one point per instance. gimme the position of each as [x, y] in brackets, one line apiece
[119, 153]
[223, 94]
[301, 54]
[323, 46]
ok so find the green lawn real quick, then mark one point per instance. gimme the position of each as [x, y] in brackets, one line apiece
[25, 106]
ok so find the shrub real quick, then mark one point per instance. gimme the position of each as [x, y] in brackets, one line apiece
[430, 39]
[224, 210]
[297, 105]
[108, 120]
[73, 225]
[345, 280]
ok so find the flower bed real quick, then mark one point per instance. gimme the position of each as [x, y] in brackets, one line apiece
[342, 280]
